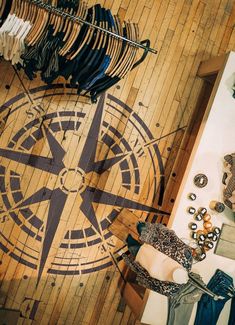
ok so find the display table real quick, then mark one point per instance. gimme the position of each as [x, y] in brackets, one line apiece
[215, 139]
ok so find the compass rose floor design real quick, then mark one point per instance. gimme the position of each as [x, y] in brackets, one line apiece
[67, 168]
[57, 186]
[75, 174]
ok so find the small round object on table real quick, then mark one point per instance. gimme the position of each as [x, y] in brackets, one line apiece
[198, 253]
[207, 217]
[191, 210]
[210, 235]
[215, 237]
[192, 226]
[192, 196]
[200, 242]
[207, 225]
[202, 237]
[217, 206]
[200, 180]
[202, 211]
[216, 230]
[194, 235]
[201, 256]
[198, 217]
[209, 244]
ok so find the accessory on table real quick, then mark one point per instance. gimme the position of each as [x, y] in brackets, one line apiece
[200, 180]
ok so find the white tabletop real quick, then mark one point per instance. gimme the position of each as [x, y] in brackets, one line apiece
[216, 138]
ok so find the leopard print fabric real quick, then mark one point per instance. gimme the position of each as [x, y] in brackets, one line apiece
[166, 241]
[229, 191]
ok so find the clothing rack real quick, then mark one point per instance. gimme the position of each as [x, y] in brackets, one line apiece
[51, 8]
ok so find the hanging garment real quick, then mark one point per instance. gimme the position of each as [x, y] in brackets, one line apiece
[229, 181]
[55, 45]
[167, 242]
[157, 264]
[231, 320]
[180, 306]
[103, 61]
[52, 42]
[208, 310]
[12, 38]
[33, 57]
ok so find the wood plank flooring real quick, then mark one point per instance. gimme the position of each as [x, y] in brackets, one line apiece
[63, 272]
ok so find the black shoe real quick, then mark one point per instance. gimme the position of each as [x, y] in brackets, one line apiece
[133, 245]
[140, 226]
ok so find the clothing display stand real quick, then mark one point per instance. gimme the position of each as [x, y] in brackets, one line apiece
[91, 47]
[50, 8]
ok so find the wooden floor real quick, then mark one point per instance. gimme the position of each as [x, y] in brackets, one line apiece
[56, 253]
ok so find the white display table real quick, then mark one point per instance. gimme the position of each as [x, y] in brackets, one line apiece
[215, 139]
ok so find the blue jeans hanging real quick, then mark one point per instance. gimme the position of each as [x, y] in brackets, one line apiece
[208, 309]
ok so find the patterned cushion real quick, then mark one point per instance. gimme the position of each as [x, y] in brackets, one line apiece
[229, 181]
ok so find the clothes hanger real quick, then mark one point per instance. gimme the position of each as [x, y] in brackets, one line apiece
[33, 14]
[57, 23]
[117, 45]
[123, 68]
[122, 60]
[129, 64]
[38, 12]
[108, 80]
[67, 27]
[17, 22]
[77, 25]
[92, 49]
[132, 52]
[69, 66]
[13, 7]
[22, 9]
[69, 41]
[26, 11]
[203, 288]
[40, 25]
[73, 30]
[106, 57]
[90, 37]
[67, 7]
[29, 15]
[86, 39]
[122, 49]
[96, 62]
[114, 43]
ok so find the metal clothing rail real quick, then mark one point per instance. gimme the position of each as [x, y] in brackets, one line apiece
[51, 8]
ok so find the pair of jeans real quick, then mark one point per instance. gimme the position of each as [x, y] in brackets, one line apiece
[181, 304]
[231, 320]
[208, 310]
